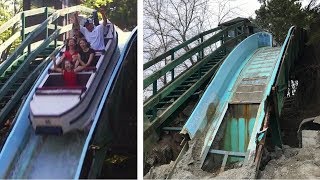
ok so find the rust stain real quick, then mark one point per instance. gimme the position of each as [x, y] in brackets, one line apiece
[246, 113]
[211, 111]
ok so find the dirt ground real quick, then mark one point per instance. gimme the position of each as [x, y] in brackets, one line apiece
[293, 163]
[288, 163]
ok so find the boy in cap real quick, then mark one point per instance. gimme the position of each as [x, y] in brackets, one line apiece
[93, 34]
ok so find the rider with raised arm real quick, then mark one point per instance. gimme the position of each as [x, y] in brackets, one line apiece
[93, 34]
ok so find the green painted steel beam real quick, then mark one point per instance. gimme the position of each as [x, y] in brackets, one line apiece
[153, 77]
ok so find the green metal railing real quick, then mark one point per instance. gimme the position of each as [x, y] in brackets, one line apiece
[22, 30]
[292, 53]
[190, 79]
[152, 79]
[171, 52]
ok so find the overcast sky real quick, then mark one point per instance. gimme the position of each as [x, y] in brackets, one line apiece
[248, 7]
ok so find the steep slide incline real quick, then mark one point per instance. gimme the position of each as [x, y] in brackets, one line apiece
[230, 115]
[26, 155]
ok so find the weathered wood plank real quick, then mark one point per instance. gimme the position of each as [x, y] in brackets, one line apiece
[31, 28]
[9, 41]
[10, 23]
[34, 11]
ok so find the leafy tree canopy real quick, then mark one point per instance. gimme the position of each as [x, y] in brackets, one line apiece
[9, 8]
[277, 16]
[123, 13]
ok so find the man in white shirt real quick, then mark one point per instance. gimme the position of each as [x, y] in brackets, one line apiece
[93, 34]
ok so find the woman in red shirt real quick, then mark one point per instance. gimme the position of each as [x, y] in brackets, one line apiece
[69, 72]
[71, 52]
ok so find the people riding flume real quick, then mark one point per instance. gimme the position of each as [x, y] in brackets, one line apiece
[68, 71]
[93, 34]
[86, 54]
[71, 51]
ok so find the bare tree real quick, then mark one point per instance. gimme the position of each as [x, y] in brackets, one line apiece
[172, 22]
[168, 23]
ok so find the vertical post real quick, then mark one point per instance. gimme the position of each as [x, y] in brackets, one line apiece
[202, 51]
[46, 17]
[23, 25]
[55, 28]
[66, 35]
[154, 89]
[172, 71]
[224, 40]
[154, 111]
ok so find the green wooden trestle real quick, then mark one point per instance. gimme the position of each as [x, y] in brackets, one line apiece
[166, 100]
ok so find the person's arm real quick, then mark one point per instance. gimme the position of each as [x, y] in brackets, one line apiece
[104, 16]
[76, 24]
[56, 68]
[81, 62]
[75, 20]
[77, 60]
[80, 68]
[90, 59]
[61, 59]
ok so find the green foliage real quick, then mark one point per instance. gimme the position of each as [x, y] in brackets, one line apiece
[277, 16]
[123, 13]
[4, 17]
[9, 8]
[95, 3]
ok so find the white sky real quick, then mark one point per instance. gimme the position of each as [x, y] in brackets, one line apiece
[248, 7]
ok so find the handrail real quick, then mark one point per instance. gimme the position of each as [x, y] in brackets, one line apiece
[29, 80]
[171, 51]
[17, 17]
[10, 22]
[31, 56]
[153, 77]
[290, 54]
[156, 98]
[39, 30]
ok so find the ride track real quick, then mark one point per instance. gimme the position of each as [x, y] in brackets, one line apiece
[239, 105]
[25, 155]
